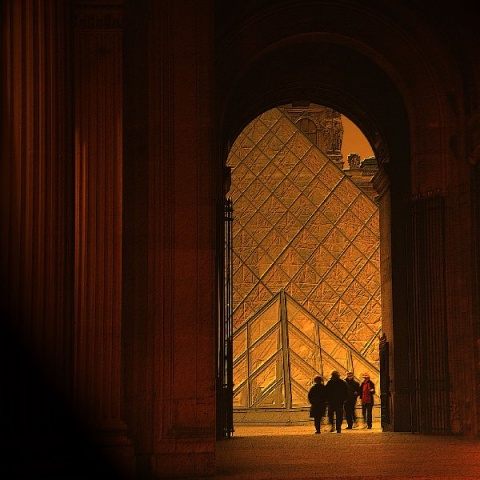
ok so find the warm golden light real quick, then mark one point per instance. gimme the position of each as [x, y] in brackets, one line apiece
[354, 140]
[306, 273]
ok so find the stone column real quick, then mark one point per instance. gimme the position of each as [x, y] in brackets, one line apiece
[381, 184]
[98, 225]
[35, 217]
[460, 305]
[169, 307]
[182, 202]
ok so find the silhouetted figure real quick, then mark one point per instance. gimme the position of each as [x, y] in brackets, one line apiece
[316, 396]
[367, 398]
[353, 388]
[336, 390]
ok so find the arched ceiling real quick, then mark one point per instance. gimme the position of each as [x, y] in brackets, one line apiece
[381, 64]
[325, 74]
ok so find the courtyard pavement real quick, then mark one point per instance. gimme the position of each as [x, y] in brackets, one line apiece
[296, 453]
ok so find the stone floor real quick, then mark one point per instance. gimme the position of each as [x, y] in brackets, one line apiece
[295, 452]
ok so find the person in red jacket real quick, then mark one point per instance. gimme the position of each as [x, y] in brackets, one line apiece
[367, 393]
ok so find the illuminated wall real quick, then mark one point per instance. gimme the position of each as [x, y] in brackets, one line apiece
[306, 273]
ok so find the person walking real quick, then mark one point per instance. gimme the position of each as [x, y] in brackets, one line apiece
[367, 398]
[336, 390]
[316, 397]
[353, 389]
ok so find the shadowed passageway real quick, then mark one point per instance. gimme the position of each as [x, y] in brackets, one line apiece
[294, 452]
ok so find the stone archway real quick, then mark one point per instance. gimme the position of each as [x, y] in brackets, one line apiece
[349, 71]
[382, 183]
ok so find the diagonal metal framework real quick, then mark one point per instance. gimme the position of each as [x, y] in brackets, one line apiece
[303, 230]
[279, 361]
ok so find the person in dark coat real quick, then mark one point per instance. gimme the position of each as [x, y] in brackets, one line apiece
[367, 398]
[336, 390]
[316, 397]
[353, 388]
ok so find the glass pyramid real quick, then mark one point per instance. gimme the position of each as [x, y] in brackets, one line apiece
[305, 236]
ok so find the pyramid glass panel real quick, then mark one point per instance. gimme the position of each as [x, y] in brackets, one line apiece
[240, 372]
[271, 398]
[240, 397]
[258, 326]
[265, 380]
[240, 343]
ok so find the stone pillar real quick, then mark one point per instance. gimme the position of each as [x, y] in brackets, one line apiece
[36, 210]
[98, 225]
[182, 237]
[40, 432]
[460, 309]
[391, 182]
[473, 150]
[169, 307]
[381, 184]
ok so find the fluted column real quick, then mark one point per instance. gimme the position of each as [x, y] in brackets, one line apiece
[35, 215]
[98, 223]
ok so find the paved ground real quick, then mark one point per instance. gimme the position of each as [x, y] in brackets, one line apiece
[295, 452]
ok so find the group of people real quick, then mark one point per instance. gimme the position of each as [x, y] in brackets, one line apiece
[339, 396]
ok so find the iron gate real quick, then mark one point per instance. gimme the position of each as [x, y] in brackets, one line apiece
[225, 341]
